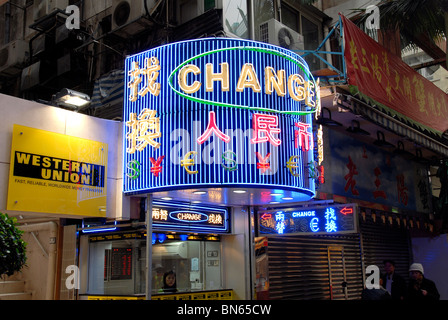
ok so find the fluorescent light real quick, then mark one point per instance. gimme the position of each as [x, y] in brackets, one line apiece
[239, 191]
[199, 192]
[287, 198]
[276, 194]
[167, 198]
[274, 202]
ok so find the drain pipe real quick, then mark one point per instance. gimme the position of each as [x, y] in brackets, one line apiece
[52, 227]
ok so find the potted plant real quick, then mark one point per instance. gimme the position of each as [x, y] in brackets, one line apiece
[12, 247]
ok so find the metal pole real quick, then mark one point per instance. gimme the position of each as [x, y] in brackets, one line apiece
[148, 246]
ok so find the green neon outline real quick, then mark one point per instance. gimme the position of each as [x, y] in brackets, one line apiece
[223, 104]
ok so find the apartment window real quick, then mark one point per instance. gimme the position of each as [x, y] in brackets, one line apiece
[309, 27]
[235, 15]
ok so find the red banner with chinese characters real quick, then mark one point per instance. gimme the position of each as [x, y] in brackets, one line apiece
[385, 78]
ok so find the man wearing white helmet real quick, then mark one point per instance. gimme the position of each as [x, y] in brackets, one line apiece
[421, 288]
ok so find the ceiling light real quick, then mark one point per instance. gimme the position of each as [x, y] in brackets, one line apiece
[167, 198]
[274, 202]
[239, 191]
[199, 192]
[276, 194]
[287, 198]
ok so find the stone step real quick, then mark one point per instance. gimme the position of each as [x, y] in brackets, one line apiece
[10, 286]
[15, 296]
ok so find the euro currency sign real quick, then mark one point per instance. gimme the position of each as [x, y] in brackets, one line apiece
[188, 161]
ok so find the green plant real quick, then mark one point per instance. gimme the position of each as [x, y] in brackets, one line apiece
[12, 247]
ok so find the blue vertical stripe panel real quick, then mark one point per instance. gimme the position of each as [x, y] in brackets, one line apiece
[182, 118]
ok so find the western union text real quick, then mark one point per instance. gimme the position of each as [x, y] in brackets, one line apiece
[56, 169]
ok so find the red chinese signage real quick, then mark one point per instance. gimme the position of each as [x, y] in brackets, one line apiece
[385, 78]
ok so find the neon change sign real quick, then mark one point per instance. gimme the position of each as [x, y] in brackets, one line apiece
[334, 219]
[219, 111]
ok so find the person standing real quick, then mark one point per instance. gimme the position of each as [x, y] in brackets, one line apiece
[393, 282]
[421, 288]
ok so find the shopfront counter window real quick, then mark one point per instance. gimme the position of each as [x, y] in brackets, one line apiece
[117, 267]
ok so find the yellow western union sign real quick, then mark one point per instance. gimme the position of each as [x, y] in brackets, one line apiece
[56, 173]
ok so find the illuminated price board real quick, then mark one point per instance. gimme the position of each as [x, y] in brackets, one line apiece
[334, 219]
[121, 264]
[189, 218]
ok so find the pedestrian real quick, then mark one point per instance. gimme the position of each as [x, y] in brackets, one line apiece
[392, 281]
[375, 294]
[169, 282]
[421, 288]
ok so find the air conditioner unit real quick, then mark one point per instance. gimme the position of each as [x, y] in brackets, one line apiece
[13, 56]
[170, 250]
[126, 15]
[274, 32]
[42, 8]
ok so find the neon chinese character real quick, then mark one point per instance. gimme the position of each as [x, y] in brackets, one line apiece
[351, 182]
[159, 214]
[280, 226]
[402, 190]
[144, 129]
[151, 72]
[212, 127]
[215, 218]
[136, 79]
[330, 224]
[302, 137]
[265, 127]
[378, 193]
[156, 168]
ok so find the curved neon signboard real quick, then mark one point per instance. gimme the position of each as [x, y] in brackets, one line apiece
[219, 112]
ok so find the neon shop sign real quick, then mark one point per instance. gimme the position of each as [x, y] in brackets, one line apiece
[321, 220]
[215, 111]
[182, 217]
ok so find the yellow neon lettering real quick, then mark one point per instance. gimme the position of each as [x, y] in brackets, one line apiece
[183, 78]
[222, 76]
[309, 94]
[295, 83]
[275, 81]
[248, 79]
